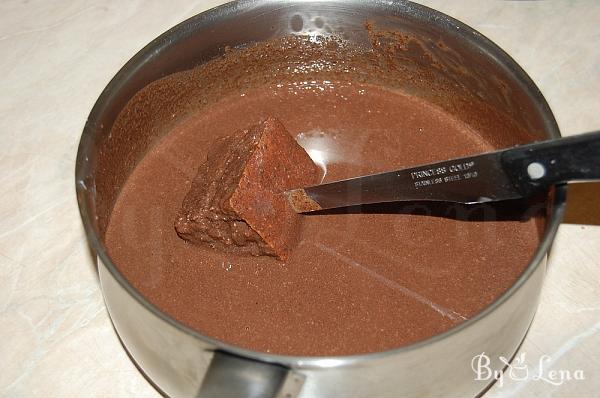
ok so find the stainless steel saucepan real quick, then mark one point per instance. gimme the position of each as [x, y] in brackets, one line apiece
[184, 363]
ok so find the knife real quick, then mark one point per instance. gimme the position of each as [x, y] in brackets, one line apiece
[506, 174]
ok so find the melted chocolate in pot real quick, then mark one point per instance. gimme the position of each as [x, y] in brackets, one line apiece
[359, 281]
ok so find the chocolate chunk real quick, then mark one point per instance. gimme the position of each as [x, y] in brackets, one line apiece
[236, 204]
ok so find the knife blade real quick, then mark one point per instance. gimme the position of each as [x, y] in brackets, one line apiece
[494, 176]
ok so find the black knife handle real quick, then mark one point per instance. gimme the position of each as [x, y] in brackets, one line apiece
[537, 166]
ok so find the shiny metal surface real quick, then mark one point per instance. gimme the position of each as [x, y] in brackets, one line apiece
[245, 378]
[468, 180]
[177, 358]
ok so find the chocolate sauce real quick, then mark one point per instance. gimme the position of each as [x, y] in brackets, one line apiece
[361, 279]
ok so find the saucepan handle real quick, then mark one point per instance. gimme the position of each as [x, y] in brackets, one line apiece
[231, 376]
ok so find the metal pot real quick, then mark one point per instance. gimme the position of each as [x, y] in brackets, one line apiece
[184, 363]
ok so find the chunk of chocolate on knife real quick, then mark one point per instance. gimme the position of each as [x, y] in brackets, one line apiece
[236, 200]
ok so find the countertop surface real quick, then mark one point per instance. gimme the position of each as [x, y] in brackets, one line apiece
[56, 339]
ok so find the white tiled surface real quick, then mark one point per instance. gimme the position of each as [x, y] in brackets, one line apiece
[55, 58]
